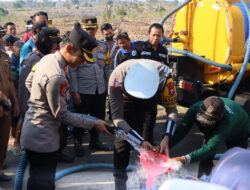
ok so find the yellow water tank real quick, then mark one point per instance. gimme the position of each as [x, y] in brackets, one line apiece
[214, 29]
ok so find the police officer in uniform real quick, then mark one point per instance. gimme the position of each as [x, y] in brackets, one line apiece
[151, 49]
[88, 84]
[49, 94]
[132, 87]
[7, 90]
[46, 43]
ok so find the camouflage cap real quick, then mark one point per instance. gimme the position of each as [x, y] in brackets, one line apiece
[210, 110]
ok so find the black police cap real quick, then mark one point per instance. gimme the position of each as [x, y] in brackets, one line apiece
[83, 41]
[52, 33]
[89, 22]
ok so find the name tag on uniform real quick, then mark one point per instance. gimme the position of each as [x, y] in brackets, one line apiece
[145, 53]
[162, 55]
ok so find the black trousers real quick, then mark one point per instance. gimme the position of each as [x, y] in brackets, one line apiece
[205, 166]
[42, 170]
[134, 114]
[148, 126]
[93, 105]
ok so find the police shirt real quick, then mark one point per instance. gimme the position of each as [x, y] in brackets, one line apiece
[23, 95]
[93, 75]
[116, 92]
[47, 106]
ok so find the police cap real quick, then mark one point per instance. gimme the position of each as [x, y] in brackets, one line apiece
[89, 22]
[83, 41]
[52, 33]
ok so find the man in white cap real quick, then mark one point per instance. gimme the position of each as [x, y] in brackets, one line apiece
[133, 88]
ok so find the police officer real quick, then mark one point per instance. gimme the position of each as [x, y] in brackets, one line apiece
[132, 86]
[88, 85]
[151, 49]
[7, 90]
[49, 94]
[220, 120]
[47, 41]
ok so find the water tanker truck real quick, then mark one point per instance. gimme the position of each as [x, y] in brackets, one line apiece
[212, 54]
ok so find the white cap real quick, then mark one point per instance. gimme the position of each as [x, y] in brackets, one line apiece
[183, 184]
[142, 80]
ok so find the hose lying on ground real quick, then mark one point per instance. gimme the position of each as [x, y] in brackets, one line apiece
[23, 163]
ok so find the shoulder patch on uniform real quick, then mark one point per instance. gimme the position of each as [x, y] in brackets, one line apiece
[63, 88]
[116, 84]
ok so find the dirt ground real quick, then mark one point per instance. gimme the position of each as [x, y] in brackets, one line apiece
[103, 179]
[63, 19]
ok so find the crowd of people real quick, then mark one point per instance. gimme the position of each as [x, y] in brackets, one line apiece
[45, 73]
